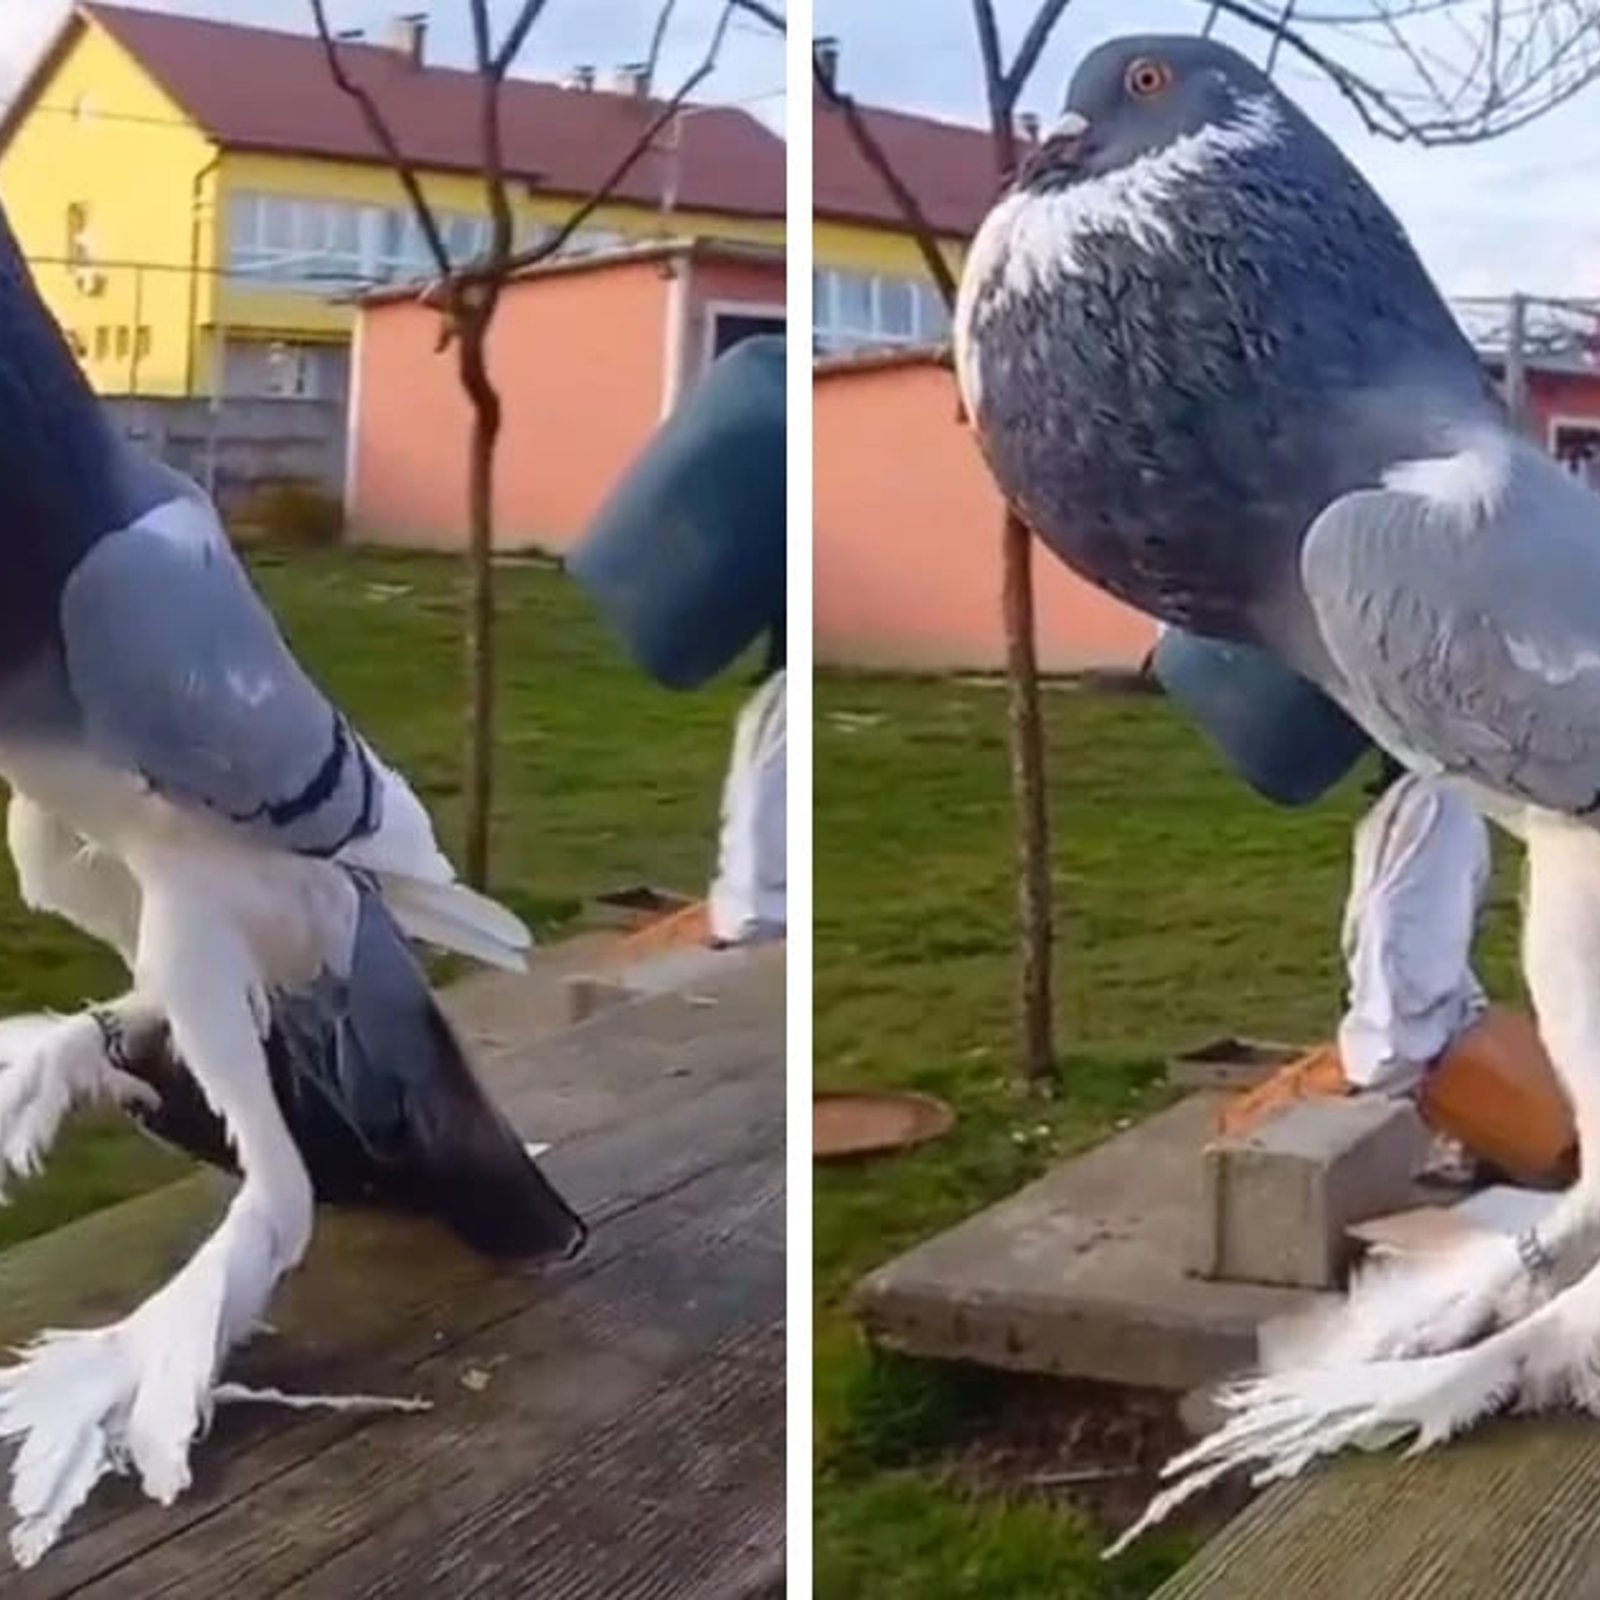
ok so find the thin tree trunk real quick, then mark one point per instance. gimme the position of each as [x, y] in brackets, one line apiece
[1026, 726]
[480, 641]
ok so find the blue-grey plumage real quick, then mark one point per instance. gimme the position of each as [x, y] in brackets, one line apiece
[1189, 327]
[114, 566]
[383, 1105]
[64, 481]
[182, 791]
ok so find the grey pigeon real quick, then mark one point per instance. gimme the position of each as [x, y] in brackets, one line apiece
[183, 792]
[1204, 361]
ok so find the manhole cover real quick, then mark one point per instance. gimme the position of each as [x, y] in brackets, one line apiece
[849, 1124]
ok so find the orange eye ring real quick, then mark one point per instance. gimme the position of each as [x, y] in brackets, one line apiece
[1146, 78]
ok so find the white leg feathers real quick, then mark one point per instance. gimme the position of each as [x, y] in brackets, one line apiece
[48, 1066]
[133, 1397]
[1398, 1360]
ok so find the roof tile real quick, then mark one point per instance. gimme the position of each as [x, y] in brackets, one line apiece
[258, 89]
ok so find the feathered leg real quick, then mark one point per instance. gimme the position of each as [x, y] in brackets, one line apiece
[50, 1064]
[135, 1395]
[1546, 1351]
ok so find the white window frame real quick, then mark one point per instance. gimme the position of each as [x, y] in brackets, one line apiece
[334, 245]
[929, 323]
[710, 310]
[1559, 423]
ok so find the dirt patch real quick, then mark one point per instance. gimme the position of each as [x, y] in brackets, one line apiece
[1096, 1447]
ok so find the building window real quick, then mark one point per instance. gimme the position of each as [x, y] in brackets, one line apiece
[332, 246]
[102, 342]
[861, 310]
[124, 341]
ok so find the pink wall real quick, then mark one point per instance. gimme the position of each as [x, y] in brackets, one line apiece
[1571, 397]
[580, 358]
[907, 540]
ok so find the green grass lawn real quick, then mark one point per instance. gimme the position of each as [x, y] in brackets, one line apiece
[603, 780]
[1186, 908]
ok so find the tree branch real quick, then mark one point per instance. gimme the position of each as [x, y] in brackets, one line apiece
[873, 153]
[1032, 47]
[1516, 83]
[518, 260]
[378, 127]
[517, 36]
[491, 79]
[652, 62]
[773, 18]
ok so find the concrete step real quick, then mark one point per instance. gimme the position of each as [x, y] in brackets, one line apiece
[1082, 1274]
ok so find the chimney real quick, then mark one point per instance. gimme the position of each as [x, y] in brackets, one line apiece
[581, 77]
[1028, 127]
[825, 51]
[408, 35]
[633, 78]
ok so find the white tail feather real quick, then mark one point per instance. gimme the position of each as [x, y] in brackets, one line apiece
[1281, 1423]
[1411, 1307]
[453, 917]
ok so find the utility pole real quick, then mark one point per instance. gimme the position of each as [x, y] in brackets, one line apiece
[1517, 363]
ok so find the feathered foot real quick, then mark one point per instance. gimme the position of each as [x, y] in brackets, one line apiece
[132, 1398]
[1432, 1304]
[1281, 1423]
[48, 1065]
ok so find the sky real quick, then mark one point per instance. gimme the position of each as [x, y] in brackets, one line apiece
[600, 33]
[1522, 213]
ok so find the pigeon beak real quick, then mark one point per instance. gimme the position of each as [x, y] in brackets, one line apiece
[1070, 131]
[1061, 147]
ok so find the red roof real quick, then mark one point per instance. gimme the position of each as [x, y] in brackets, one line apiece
[254, 88]
[948, 166]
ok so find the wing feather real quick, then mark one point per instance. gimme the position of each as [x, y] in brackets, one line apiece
[1471, 636]
[180, 673]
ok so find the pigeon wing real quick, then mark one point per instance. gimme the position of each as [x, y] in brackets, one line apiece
[180, 674]
[1471, 635]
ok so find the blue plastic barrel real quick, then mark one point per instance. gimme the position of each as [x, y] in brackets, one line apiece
[685, 560]
[1278, 732]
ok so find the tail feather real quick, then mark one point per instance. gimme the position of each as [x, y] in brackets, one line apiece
[384, 1107]
[453, 917]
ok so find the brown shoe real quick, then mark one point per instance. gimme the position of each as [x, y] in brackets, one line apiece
[688, 927]
[1317, 1075]
[1495, 1090]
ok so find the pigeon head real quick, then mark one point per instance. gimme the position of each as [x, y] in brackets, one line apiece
[1136, 97]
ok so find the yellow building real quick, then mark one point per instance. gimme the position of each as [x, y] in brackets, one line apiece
[870, 285]
[198, 199]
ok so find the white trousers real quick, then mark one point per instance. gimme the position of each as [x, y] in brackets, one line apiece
[1419, 873]
[749, 895]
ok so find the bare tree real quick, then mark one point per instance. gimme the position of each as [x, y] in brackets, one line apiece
[468, 293]
[1434, 72]
[1003, 87]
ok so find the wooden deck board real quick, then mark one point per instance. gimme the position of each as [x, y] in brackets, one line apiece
[619, 1421]
[1511, 1512]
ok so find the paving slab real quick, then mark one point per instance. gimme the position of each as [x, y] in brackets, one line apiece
[1082, 1274]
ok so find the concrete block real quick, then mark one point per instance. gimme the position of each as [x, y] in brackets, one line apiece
[1275, 1203]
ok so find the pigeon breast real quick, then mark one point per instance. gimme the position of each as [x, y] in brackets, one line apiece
[1172, 368]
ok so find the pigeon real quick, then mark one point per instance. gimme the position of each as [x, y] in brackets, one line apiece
[1204, 362]
[184, 793]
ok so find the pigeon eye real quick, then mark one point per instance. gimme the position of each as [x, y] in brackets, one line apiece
[1147, 78]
